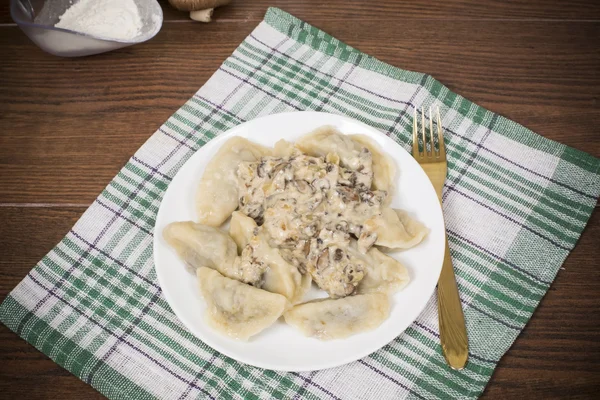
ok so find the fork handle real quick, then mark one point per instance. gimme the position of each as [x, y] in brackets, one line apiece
[453, 331]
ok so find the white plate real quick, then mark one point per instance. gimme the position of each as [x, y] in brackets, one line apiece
[280, 347]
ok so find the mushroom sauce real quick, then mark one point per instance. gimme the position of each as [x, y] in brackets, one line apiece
[316, 211]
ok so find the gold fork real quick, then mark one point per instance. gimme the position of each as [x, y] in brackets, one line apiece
[453, 332]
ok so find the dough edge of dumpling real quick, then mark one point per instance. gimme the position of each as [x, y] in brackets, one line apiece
[227, 329]
[381, 314]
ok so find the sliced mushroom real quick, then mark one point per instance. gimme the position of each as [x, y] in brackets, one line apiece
[261, 169]
[303, 186]
[323, 260]
[280, 167]
[305, 247]
[342, 226]
[347, 194]
[338, 255]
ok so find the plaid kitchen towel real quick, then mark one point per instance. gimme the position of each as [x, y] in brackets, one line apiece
[94, 306]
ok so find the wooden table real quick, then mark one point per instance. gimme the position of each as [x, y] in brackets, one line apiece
[68, 125]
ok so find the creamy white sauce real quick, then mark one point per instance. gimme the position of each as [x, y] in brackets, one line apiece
[314, 210]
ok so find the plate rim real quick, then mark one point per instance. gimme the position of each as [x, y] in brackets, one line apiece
[358, 354]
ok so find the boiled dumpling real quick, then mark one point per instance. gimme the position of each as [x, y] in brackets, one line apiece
[286, 149]
[205, 246]
[201, 246]
[305, 285]
[241, 229]
[328, 140]
[414, 228]
[237, 309]
[217, 195]
[383, 274]
[384, 169]
[339, 318]
[281, 276]
[396, 229]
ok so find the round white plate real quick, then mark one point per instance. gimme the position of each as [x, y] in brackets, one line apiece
[280, 347]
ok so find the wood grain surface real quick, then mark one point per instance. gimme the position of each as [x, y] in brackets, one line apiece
[68, 125]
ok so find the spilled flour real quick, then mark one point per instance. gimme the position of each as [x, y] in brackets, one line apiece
[110, 19]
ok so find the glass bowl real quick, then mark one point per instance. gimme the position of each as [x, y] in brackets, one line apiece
[37, 19]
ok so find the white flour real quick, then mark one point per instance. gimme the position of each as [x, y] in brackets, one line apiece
[111, 19]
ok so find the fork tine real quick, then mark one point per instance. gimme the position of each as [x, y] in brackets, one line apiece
[440, 135]
[425, 153]
[416, 152]
[434, 152]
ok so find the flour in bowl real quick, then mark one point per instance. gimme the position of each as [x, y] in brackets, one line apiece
[110, 19]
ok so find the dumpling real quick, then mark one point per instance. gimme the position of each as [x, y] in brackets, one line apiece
[206, 246]
[237, 309]
[285, 149]
[339, 318]
[414, 228]
[328, 140]
[217, 195]
[305, 285]
[396, 229]
[280, 276]
[202, 246]
[383, 274]
[384, 168]
[241, 229]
